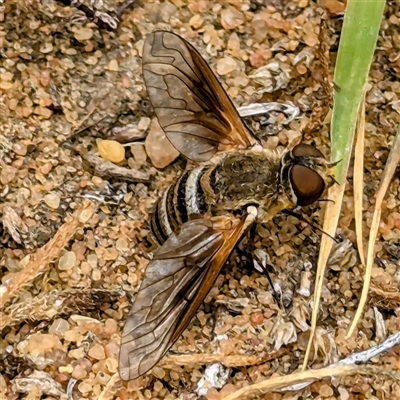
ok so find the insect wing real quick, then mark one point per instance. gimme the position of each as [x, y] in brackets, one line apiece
[176, 282]
[192, 107]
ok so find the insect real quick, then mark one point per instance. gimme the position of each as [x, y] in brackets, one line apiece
[205, 213]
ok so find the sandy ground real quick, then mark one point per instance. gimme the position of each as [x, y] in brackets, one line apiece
[73, 235]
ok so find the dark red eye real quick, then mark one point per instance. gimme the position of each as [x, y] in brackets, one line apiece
[307, 185]
[306, 150]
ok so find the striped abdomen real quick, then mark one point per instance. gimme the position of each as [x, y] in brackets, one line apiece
[236, 180]
[183, 197]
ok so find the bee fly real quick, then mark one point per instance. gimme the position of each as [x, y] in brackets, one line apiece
[204, 214]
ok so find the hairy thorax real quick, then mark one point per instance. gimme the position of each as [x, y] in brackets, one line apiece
[246, 177]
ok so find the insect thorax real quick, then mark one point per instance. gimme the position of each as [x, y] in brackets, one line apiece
[226, 184]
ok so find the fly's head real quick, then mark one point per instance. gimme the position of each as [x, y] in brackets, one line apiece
[305, 174]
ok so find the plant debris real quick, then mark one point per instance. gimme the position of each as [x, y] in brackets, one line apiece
[74, 227]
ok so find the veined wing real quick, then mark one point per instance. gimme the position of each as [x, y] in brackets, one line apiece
[176, 282]
[192, 107]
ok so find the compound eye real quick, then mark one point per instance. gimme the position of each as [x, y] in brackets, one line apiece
[307, 185]
[306, 150]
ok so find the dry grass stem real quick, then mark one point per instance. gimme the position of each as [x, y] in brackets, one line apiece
[40, 260]
[196, 359]
[281, 382]
[331, 218]
[358, 179]
[229, 361]
[390, 167]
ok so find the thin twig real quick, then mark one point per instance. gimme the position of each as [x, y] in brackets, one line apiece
[47, 306]
[237, 360]
[106, 169]
[39, 261]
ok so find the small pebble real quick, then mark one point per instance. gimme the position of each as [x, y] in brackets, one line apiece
[79, 372]
[226, 65]
[83, 34]
[67, 261]
[46, 48]
[325, 391]
[59, 327]
[158, 147]
[84, 387]
[102, 378]
[139, 153]
[97, 352]
[7, 174]
[113, 65]
[257, 318]
[122, 244]
[111, 150]
[111, 350]
[52, 200]
[231, 18]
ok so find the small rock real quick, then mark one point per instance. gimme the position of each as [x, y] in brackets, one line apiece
[84, 387]
[59, 327]
[67, 261]
[111, 364]
[144, 123]
[257, 318]
[231, 18]
[20, 148]
[226, 65]
[158, 372]
[44, 112]
[7, 174]
[122, 244]
[139, 153]
[112, 350]
[79, 372]
[97, 352]
[83, 34]
[110, 327]
[77, 353]
[158, 147]
[52, 200]
[111, 150]
[102, 377]
[375, 96]
[6, 85]
[325, 391]
[158, 386]
[196, 21]
[39, 343]
[334, 6]
[113, 65]
[46, 48]
[91, 60]
[343, 393]
[166, 10]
